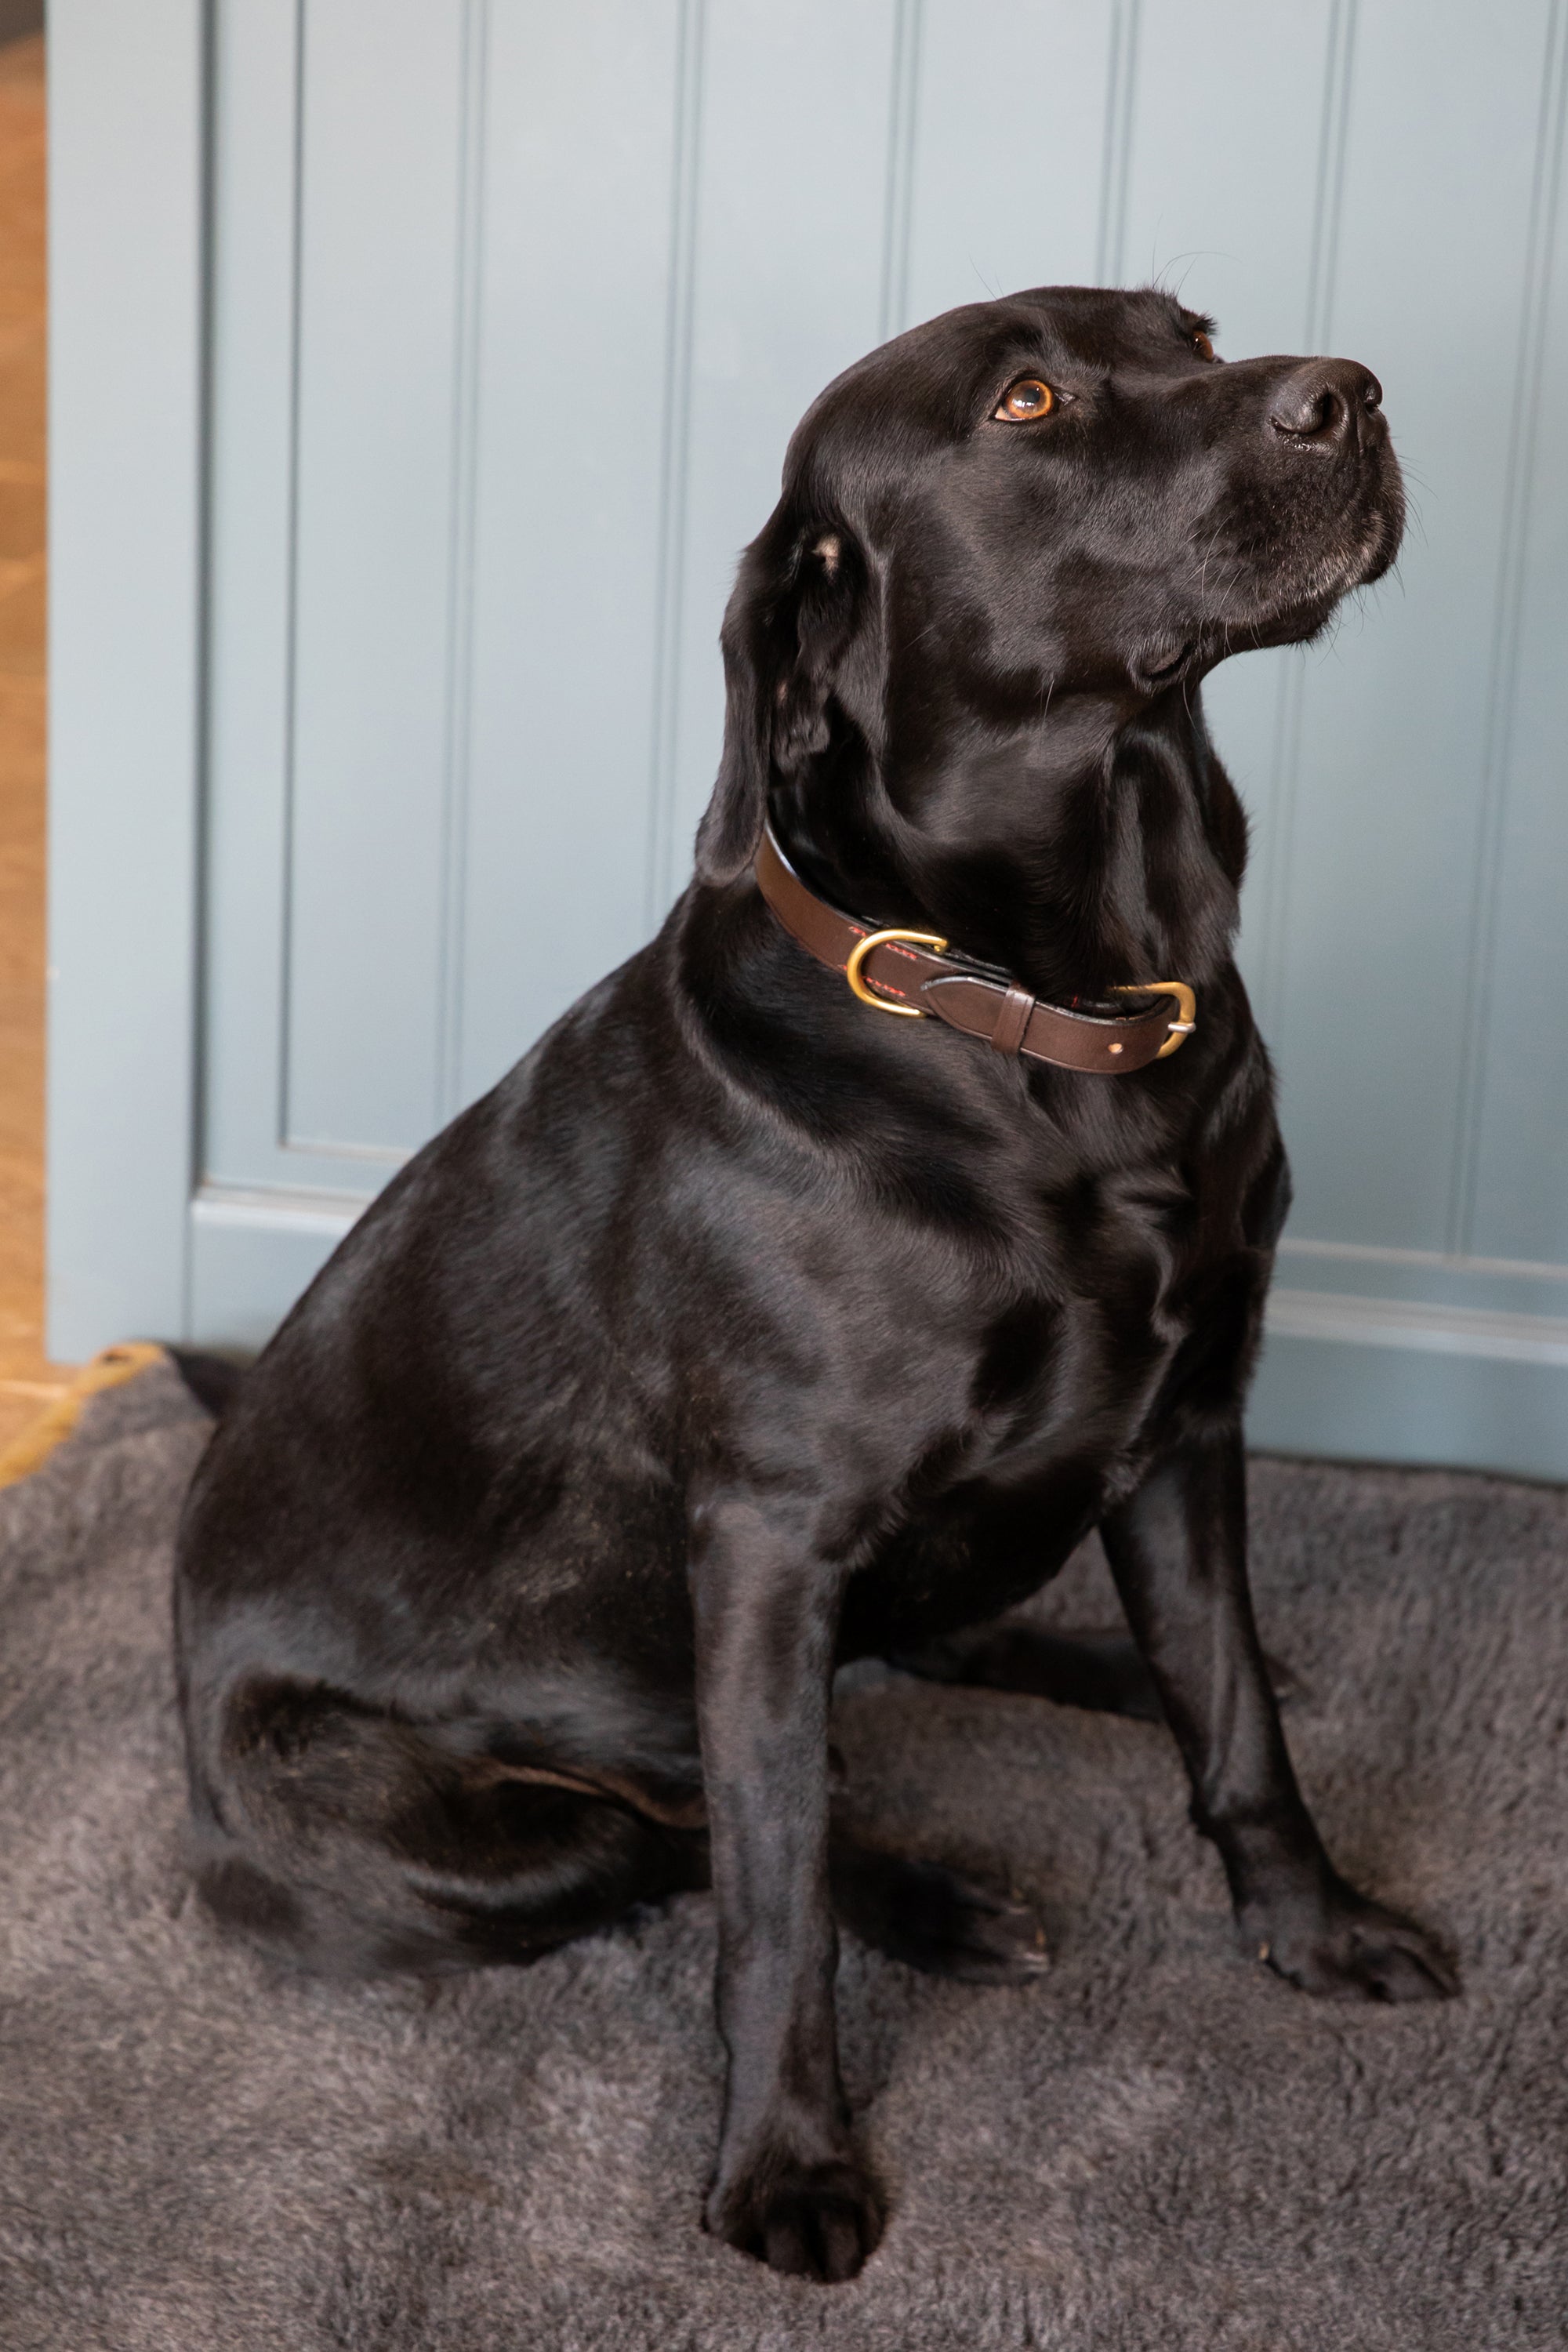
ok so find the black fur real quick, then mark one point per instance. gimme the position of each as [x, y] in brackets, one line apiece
[742, 1331]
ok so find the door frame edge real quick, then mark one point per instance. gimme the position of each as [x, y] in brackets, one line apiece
[128, 161]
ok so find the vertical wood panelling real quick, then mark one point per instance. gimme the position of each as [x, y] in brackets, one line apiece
[1116, 153]
[1328, 210]
[1516, 1130]
[254, 243]
[1266, 903]
[580, 504]
[514, 308]
[1009, 131]
[1275, 167]
[903, 116]
[455, 811]
[1534, 481]
[788, 289]
[663, 851]
[383, 136]
[1439, 165]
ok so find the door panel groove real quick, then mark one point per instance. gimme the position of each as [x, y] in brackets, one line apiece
[291, 572]
[1116, 165]
[679, 328]
[460, 620]
[1273, 894]
[1339, 73]
[903, 118]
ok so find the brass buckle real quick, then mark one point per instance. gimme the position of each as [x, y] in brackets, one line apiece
[1186, 1008]
[876, 940]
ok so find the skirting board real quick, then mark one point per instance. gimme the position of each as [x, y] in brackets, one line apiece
[1356, 1379]
[1368, 1380]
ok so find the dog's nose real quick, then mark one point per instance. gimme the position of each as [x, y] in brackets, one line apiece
[1326, 403]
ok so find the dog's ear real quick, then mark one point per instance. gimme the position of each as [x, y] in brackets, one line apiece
[795, 609]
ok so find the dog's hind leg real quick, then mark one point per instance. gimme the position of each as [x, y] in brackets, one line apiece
[350, 1841]
[1102, 1670]
[931, 1917]
[344, 1841]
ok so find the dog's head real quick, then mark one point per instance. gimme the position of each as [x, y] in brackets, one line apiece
[1044, 514]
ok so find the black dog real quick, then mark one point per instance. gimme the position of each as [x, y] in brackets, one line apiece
[745, 1329]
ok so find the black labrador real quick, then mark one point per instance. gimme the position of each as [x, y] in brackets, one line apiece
[745, 1329]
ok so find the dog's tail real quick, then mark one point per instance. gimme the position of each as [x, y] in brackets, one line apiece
[214, 1380]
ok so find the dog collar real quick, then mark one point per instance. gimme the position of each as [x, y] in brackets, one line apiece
[909, 974]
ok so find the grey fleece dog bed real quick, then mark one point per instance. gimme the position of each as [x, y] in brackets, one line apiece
[1156, 2145]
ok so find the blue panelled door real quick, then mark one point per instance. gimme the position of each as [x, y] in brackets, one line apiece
[510, 308]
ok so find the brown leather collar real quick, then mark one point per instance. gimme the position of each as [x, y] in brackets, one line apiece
[906, 973]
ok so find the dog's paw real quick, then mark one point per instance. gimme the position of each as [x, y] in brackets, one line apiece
[950, 1925]
[935, 1919]
[1353, 1949]
[815, 2221]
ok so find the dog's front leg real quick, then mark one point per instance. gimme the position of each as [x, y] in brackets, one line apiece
[789, 2185]
[1177, 1549]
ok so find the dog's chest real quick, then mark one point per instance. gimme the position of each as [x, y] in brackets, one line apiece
[1058, 1430]
[1080, 1411]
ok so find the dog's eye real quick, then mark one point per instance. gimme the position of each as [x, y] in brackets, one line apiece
[1202, 345]
[1024, 401]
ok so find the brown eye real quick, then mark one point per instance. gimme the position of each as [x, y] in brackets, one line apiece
[1024, 401]
[1202, 345]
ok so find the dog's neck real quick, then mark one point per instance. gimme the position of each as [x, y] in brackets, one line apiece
[1088, 850]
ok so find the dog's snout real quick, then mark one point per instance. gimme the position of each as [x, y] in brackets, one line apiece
[1326, 404]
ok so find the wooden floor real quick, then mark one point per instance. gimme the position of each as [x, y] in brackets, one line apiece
[26, 1381]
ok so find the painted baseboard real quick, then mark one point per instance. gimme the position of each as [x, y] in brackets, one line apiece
[1357, 1321]
[1364, 1378]
[1380, 1379]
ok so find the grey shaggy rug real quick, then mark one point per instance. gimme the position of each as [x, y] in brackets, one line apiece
[1157, 2143]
